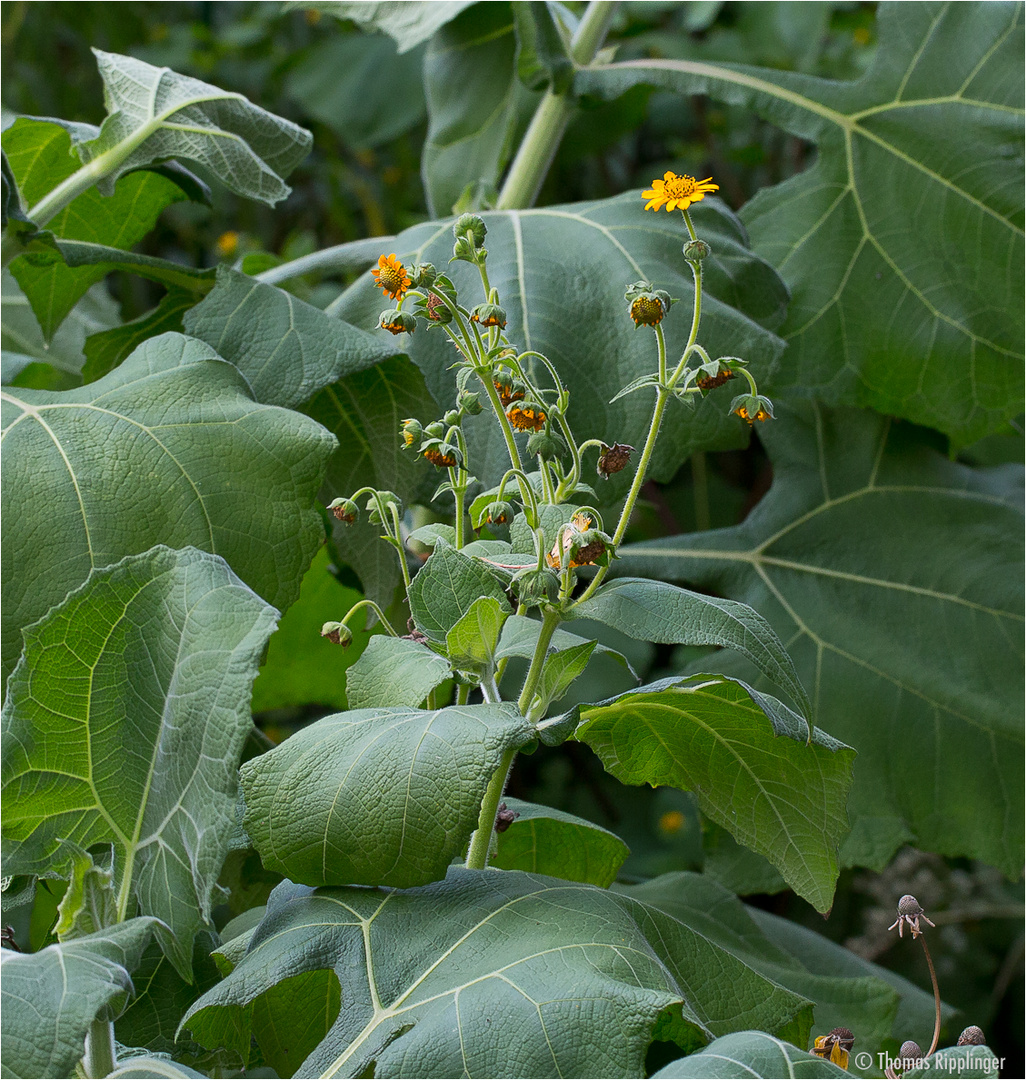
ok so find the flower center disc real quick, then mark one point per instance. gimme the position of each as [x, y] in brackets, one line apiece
[680, 187]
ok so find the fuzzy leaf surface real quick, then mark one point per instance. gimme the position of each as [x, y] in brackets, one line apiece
[903, 244]
[199, 463]
[543, 840]
[893, 576]
[394, 671]
[592, 251]
[44, 1026]
[498, 975]
[124, 724]
[384, 796]
[746, 757]
[155, 113]
[286, 349]
[747, 1054]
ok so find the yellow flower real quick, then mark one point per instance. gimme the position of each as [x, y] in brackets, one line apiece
[391, 276]
[835, 1047]
[677, 192]
[227, 244]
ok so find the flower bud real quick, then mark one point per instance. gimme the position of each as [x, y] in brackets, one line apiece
[412, 431]
[489, 315]
[509, 388]
[497, 513]
[526, 416]
[422, 275]
[696, 250]
[397, 322]
[546, 445]
[752, 407]
[435, 430]
[534, 586]
[386, 497]
[452, 418]
[345, 510]
[469, 403]
[441, 454]
[910, 1053]
[472, 225]
[613, 459]
[337, 633]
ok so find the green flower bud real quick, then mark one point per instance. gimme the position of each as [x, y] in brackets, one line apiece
[435, 430]
[497, 513]
[469, 403]
[696, 250]
[470, 224]
[422, 275]
[533, 587]
[452, 418]
[345, 510]
[546, 445]
[752, 407]
[386, 497]
[337, 633]
[489, 315]
[397, 322]
[412, 431]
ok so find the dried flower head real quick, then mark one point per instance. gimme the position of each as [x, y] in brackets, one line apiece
[505, 817]
[909, 914]
[835, 1046]
[910, 1052]
[972, 1036]
[613, 459]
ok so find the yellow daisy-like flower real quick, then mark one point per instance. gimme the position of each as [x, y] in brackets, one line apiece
[677, 192]
[391, 276]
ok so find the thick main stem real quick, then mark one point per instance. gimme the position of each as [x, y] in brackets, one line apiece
[548, 627]
[552, 115]
[477, 856]
[99, 1049]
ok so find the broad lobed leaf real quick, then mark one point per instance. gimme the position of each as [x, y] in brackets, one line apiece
[124, 724]
[199, 463]
[903, 244]
[497, 974]
[893, 576]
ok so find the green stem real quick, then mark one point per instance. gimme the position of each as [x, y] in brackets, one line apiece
[462, 693]
[374, 607]
[460, 494]
[399, 544]
[100, 1058]
[477, 856]
[549, 624]
[543, 136]
[662, 354]
[507, 431]
[639, 478]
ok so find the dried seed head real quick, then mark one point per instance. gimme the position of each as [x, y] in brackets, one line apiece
[910, 914]
[613, 459]
[972, 1036]
[910, 1051]
[505, 817]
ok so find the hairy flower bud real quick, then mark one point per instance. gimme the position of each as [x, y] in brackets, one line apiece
[696, 250]
[441, 454]
[752, 407]
[452, 418]
[489, 315]
[337, 633]
[469, 403]
[546, 445]
[397, 322]
[422, 275]
[472, 225]
[412, 431]
[345, 510]
[497, 513]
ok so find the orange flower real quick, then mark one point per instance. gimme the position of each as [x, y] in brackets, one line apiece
[677, 192]
[526, 418]
[391, 276]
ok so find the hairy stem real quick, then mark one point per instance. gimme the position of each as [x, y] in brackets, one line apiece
[550, 622]
[477, 856]
[99, 1049]
[539, 146]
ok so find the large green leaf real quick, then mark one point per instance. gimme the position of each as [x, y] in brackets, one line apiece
[197, 462]
[746, 758]
[499, 974]
[446, 588]
[473, 96]
[383, 796]
[974, 1062]
[124, 723]
[365, 412]
[561, 274]
[903, 244]
[288, 350]
[40, 155]
[850, 992]
[51, 997]
[746, 1055]
[394, 671]
[546, 841]
[894, 577]
[472, 643]
[408, 24]
[658, 612]
[155, 113]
